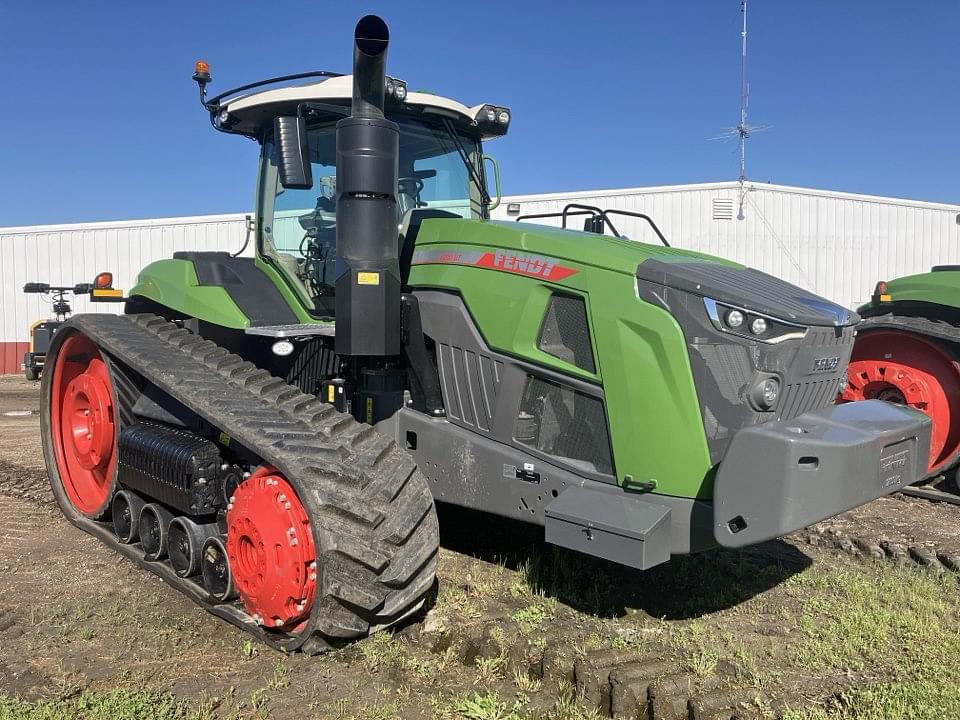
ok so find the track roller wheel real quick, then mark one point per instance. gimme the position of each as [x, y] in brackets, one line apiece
[79, 401]
[270, 550]
[909, 369]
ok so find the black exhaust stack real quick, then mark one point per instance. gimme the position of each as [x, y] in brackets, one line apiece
[368, 271]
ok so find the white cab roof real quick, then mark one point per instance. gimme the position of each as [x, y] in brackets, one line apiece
[334, 90]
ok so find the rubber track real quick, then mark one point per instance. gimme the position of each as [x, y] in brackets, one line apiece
[372, 513]
[926, 327]
[939, 329]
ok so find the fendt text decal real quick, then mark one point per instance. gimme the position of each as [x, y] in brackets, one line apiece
[538, 266]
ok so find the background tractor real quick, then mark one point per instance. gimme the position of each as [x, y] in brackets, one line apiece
[270, 434]
[41, 332]
[907, 352]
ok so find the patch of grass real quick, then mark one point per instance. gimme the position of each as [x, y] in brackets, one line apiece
[927, 699]
[110, 705]
[882, 619]
[489, 669]
[526, 682]
[532, 616]
[381, 650]
[484, 706]
[280, 677]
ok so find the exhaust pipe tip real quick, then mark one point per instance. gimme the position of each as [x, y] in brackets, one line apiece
[371, 35]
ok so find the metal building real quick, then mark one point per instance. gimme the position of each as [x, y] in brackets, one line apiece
[836, 244]
[71, 254]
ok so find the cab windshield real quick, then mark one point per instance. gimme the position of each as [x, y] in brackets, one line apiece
[298, 227]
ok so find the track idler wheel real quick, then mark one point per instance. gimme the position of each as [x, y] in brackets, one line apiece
[155, 522]
[270, 550]
[127, 506]
[215, 567]
[911, 370]
[82, 422]
[185, 541]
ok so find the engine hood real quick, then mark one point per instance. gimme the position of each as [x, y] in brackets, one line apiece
[747, 288]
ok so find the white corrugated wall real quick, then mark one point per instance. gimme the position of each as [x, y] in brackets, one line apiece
[836, 244]
[71, 254]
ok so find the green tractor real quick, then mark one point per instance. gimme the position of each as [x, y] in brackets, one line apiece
[908, 352]
[270, 435]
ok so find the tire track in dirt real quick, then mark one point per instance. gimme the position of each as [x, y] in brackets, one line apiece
[25, 483]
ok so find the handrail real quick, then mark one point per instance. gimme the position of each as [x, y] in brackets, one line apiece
[594, 211]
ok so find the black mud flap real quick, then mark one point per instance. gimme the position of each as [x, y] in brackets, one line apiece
[627, 529]
[782, 476]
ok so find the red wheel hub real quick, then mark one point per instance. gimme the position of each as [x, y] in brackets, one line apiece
[82, 425]
[270, 550]
[910, 370]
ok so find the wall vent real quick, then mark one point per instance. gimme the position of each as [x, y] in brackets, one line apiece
[722, 209]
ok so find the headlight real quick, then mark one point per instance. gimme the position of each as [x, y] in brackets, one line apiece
[282, 348]
[493, 119]
[734, 318]
[396, 88]
[770, 391]
[750, 324]
[765, 393]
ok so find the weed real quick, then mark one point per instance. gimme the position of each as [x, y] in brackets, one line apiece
[486, 706]
[525, 682]
[489, 669]
[280, 678]
[531, 616]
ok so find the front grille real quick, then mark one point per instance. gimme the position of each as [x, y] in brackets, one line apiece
[799, 398]
[806, 390]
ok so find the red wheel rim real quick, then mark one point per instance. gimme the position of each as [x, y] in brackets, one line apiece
[82, 424]
[270, 550]
[910, 370]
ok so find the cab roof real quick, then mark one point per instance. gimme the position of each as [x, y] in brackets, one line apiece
[247, 113]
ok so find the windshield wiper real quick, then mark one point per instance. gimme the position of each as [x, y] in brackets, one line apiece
[452, 131]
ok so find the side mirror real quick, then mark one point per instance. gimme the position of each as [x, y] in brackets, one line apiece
[293, 152]
[496, 181]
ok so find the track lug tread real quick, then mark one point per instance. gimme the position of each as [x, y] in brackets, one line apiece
[377, 536]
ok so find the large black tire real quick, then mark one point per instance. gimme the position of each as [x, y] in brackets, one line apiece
[372, 514]
[32, 373]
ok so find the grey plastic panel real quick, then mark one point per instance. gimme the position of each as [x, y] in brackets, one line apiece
[781, 476]
[467, 469]
[629, 529]
[725, 368]
[481, 388]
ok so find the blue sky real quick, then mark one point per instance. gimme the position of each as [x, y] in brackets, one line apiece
[101, 119]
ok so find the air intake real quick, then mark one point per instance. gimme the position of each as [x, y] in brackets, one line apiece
[368, 280]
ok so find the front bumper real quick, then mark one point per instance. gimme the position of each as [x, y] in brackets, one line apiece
[778, 477]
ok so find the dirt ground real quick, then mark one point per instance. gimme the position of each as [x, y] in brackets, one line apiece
[516, 629]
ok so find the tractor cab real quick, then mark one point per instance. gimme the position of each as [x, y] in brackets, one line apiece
[441, 168]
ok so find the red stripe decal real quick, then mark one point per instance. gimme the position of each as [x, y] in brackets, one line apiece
[531, 265]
